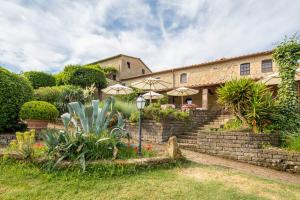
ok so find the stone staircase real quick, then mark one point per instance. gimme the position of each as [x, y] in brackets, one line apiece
[188, 139]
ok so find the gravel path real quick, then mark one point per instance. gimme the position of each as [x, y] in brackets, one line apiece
[242, 167]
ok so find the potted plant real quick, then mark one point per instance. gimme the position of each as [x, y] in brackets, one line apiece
[37, 114]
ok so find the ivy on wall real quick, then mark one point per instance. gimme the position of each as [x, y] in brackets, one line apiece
[286, 55]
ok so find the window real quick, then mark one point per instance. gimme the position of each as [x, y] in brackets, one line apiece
[245, 69]
[114, 77]
[183, 78]
[128, 65]
[266, 66]
[143, 71]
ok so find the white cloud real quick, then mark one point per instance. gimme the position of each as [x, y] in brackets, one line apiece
[46, 36]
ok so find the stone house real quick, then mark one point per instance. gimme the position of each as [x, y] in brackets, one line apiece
[205, 77]
[127, 66]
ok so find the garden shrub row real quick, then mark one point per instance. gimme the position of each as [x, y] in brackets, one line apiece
[154, 112]
[15, 90]
[59, 96]
[39, 79]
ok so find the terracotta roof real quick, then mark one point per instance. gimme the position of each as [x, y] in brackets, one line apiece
[204, 64]
[117, 56]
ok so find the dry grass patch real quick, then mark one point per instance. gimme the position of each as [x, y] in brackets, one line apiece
[245, 183]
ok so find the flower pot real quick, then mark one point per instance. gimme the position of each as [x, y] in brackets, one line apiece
[36, 124]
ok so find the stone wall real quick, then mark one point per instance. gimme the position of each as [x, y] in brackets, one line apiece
[257, 149]
[6, 138]
[157, 131]
[161, 131]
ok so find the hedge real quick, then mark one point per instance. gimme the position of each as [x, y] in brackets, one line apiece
[60, 96]
[40, 79]
[15, 90]
[86, 76]
[40, 110]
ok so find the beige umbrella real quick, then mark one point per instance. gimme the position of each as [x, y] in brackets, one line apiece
[151, 84]
[117, 89]
[182, 91]
[152, 95]
[274, 79]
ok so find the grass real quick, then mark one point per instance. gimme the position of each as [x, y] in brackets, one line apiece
[293, 143]
[190, 181]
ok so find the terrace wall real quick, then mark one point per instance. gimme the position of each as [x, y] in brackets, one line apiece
[153, 131]
[6, 138]
[257, 149]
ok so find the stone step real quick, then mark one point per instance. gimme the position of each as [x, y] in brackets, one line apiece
[186, 141]
[190, 133]
[211, 126]
[183, 136]
[187, 146]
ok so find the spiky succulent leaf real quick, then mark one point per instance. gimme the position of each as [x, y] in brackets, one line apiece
[79, 110]
[66, 118]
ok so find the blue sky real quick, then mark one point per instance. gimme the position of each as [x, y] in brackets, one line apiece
[47, 35]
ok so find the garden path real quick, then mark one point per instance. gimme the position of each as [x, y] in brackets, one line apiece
[242, 167]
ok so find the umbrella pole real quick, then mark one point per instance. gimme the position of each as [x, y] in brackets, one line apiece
[150, 95]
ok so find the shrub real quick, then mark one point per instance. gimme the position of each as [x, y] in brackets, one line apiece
[293, 142]
[130, 97]
[25, 145]
[63, 78]
[40, 110]
[134, 117]
[60, 78]
[85, 77]
[14, 92]
[125, 108]
[233, 124]
[39, 79]
[60, 96]
[154, 111]
[251, 102]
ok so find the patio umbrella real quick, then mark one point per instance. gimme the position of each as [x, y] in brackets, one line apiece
[152, 95]
[151, 84]
[117, 89]
[274, 79]
[182, 91]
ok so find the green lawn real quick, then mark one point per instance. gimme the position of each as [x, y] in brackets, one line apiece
[191, 181]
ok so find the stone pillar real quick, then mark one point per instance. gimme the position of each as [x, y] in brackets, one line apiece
[205, 98]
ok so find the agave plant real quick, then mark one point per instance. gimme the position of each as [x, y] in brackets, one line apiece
[94, 137]
[92, 118]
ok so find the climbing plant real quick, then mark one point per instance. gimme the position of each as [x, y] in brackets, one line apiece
[286, 55]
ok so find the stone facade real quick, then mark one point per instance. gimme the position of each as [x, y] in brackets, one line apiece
[205, 77]
[127, 66]
[247, 147]
[213, 73]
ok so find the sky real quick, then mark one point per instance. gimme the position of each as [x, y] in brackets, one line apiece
[46, 35]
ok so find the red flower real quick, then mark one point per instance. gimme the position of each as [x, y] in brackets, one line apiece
[149, 147]
[39, 145]
[135, 149]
